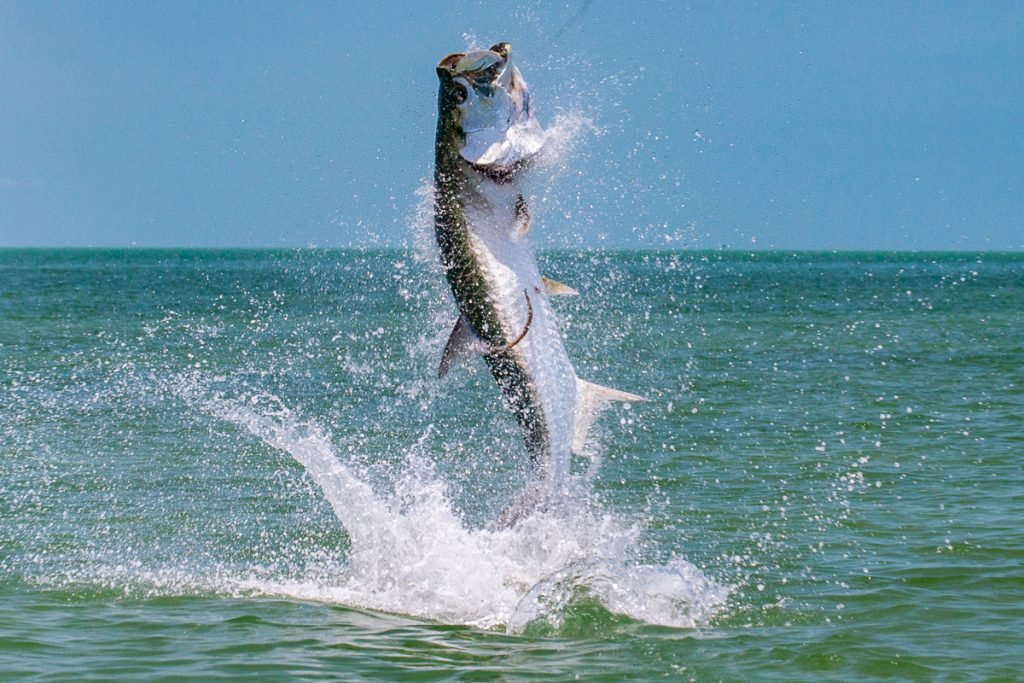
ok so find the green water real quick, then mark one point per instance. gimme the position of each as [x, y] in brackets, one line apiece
[826, 482]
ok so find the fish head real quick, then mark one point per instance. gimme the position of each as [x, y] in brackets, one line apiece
[484, 105]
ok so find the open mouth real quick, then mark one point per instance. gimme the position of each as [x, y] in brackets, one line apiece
[500, 131]
[483, 67]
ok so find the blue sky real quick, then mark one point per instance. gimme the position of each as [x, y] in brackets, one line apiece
[773, 125]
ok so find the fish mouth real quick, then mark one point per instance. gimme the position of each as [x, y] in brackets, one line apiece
[499, 129]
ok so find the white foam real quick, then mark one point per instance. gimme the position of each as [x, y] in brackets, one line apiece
[411, 553]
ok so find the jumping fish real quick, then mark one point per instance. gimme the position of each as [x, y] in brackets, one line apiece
[487, 136]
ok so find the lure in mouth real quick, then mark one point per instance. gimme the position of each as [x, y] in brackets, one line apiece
[491, 117]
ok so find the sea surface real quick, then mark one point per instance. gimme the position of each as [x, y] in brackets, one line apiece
[232, 464]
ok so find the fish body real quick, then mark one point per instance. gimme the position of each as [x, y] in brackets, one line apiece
[487, 136]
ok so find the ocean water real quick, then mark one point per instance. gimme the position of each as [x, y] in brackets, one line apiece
[228, 464]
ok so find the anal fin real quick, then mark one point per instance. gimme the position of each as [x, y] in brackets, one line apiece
[591, 399]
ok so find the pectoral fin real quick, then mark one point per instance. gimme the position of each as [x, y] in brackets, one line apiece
[522, 219]
[590, 400]
[556, 288]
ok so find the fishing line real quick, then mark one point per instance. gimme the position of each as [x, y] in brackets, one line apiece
[573, 20]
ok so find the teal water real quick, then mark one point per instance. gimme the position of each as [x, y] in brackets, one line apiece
[239, 463]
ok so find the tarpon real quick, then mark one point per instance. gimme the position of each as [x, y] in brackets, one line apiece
[487, 136]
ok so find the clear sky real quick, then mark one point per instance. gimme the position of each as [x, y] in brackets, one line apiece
[848, 125]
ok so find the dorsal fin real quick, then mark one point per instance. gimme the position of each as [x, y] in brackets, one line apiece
[590, 400]
[465, 341]
[462, 342]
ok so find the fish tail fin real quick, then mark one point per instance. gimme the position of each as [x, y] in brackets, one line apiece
[591, 399]
[531, 500]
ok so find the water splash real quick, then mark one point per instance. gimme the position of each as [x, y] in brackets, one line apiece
[676, 594]
[562, 136]
[412, 553]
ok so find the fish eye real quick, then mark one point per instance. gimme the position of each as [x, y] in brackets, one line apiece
[460, 93]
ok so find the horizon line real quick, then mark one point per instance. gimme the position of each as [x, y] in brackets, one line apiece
[602, 249]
